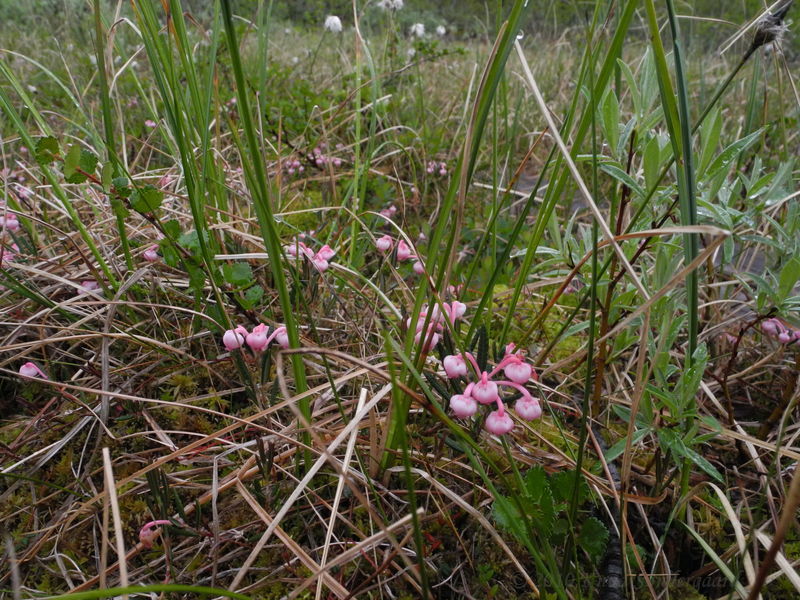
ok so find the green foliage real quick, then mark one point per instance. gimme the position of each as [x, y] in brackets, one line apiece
[79, 164]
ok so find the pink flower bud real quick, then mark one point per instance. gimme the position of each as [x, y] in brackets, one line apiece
[419, 268]
[384, 244]
[771, 327]
[30, 369]
[485, 391]
[784, 337]
[457, 310]
[9, 222]
[528, 408]
[149, 123]
[320, 264]
[455, 366]
[518, 372]
[233, 339]
[403, 251]
[463, 406]
[498, 422]
[257, 340]
[90, 285]
[151, 254]
[281, 337]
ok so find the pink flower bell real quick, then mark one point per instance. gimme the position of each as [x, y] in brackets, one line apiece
[90, 285]
[257, 339]
[498, 422]
[10, 222]
[151, 254]
[384, 244]
[419, 268]
[771, 327]
[518, 371]
[149, 532]
[485, 391]
[528, 408]
[149, 123]
[234, 338]
[320, 264]
[30, 369]
[455, 366]
[404, 252]
[463, 406]
[326, 252]
[281, 337]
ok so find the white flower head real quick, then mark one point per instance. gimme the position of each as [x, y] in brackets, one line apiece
[417, 30]
[333, 24]
[440, 30]
[390, 4]
[410, 53]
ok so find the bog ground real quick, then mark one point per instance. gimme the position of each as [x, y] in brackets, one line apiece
[399, 299]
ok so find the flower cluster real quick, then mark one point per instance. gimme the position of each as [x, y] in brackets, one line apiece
[292, 166]
[434, 167]
[430, 336]
[776, 329]
[389, 212]
[486, 390]
[404, 251]
[258, 339]
[321, 159]
[390, 4]
[320, 259]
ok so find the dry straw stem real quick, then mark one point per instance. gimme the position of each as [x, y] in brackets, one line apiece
[575, 174]
[111, 493]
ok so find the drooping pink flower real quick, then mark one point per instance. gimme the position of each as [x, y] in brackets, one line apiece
[281, 337]
[90, 285]
[150, 123]
[389, 212]
[384, 244]
[498, 422]
[518, 371]
[30, 369]
[9, 221]
[528, 408]
[326, 252]
[419, 268]
[455, 366]
[485, 391]
[151, 254]
[234, 338]
[404, 252]
[771, 327]
[149, 532]
[463, 406]
[320, 263]
[257, 339]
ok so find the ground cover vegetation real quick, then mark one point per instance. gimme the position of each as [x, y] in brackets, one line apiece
[398, 300]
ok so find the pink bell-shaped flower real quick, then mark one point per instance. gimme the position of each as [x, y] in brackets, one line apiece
[419, 268]
[403, 251]
[233, 338]
[498, 422]
[384, 244]
[151, 254]
[281, 337]
[528, 408]
[518, 371]
[326, 252]
[463, 406]
[30, 369]
[485, 391]
[257, 340]
[455, 366]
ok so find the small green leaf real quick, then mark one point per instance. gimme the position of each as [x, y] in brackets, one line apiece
[563, 486]
[107, 176]
[253, 296]
[621, 176]
[146, 199]
[593, 538]
[790, 273]
[46, 150]
[120, 187]
[78, 164]
[237, 273]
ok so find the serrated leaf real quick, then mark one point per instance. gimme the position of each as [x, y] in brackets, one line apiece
[119, 208]
[146, 199]
[46, 150]
[120, 186]
[593, 538]
[237, 273]
[535, 481]
[253, 296]
[563, 486]
[107, 176]
[172, 229]
[79, 164]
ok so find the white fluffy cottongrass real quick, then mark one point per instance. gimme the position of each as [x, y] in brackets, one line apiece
[417, 30]
[390, 4]
[333, 24]
[440, 30]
